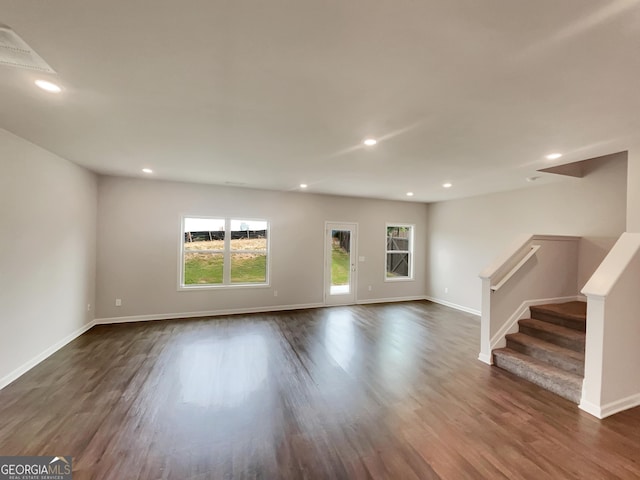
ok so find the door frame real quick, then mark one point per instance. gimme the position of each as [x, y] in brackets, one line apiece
[326, 285]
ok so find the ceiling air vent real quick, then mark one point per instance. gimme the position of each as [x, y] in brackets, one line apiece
[15, 52]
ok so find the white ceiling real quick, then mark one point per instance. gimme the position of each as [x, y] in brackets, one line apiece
[270, 94]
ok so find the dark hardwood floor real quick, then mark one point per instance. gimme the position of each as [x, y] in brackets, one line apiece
[383, 391]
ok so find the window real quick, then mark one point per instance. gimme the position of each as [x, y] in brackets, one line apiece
[218, 252]
[399, 257]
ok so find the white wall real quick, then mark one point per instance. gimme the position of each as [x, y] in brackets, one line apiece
[467, 234]
[139, 234]
[47, 252]
[633, 190]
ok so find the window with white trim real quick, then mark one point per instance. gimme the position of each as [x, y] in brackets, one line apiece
[399, 252]
[219, 252]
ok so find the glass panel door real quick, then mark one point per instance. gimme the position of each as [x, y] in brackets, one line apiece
[340, 259]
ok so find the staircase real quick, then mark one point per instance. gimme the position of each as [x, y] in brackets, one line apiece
[549, 348]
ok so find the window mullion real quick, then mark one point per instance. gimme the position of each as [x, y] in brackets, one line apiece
[226, 270]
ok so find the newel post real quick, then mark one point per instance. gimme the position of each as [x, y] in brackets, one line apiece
[485, 323]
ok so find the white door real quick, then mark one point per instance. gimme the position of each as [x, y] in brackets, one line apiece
[340, 263]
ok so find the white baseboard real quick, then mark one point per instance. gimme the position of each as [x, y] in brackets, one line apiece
[488, 359]
[498, 340]
[390, 300]
[590, 408]
[210, 313]
[239, 311]
[25, 367]
[454, 305]
[611, 408]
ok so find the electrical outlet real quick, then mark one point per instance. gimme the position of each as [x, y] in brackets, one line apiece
[88, 307]
[446, 289]
[370, 288]
[118, 302]
[275, 293]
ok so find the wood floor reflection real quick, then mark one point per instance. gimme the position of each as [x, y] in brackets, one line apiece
[382, 391]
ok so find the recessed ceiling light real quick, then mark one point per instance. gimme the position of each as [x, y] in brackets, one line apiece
[147, 170]
[409, 194]
[303, 185]
[48, 86]
[447, 185]
[553, 156]
[370, 142]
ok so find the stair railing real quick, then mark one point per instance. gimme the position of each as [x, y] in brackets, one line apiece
[514, 270]
[536, 269]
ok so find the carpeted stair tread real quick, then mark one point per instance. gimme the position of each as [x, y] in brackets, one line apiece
[556, 380]
[555, 355]
[550, 332]
[568, 314]
[577, 310]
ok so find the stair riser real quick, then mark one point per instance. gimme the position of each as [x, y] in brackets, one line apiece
[572, 393]
[571, 365]
[570, 343]
[579, 325]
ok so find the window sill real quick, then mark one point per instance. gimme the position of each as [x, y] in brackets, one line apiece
[399, 279]
[198, 288]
